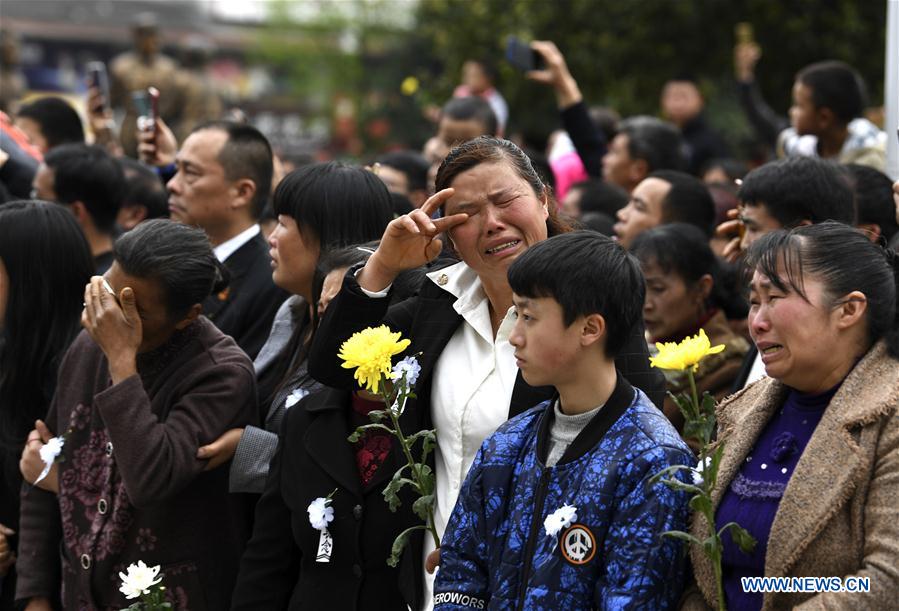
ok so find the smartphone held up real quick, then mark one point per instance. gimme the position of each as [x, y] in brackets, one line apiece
[147, 104]
[98, 79]
[520, 54]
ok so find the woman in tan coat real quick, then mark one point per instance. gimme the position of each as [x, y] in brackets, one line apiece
[811, 459]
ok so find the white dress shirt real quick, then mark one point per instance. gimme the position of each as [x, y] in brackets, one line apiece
[470, 394]
[228, 247]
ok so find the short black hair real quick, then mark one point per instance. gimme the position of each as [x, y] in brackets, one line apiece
[874, 199]
[837, 86]
[143, 188]
[246, 154]
[688, 201]
[87, 173]
[336, 203]
[796, 189]
[564, 266]
[177, 256]
[472, 108]
[58, 121]
[656, 142]
[410, 163]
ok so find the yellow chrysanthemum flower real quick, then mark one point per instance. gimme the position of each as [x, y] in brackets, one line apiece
[409, 85]
[369, 351]
[686, 354]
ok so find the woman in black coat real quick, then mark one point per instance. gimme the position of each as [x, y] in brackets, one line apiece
[314, 459]
[279, 568]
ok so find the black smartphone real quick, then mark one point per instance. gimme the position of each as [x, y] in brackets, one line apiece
[99, 79]
[520, 54]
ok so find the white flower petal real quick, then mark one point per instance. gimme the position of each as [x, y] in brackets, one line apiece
[561, 518]
[320, 513]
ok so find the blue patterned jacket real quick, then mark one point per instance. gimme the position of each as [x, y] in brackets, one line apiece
[496, 554]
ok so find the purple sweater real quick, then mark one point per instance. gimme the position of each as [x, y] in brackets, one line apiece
[754, 495]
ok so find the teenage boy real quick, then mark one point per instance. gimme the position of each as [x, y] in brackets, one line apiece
[557, 511]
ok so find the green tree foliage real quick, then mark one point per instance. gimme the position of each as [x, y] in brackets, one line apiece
[622, 51]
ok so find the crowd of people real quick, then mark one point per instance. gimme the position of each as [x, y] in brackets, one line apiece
[172, 319]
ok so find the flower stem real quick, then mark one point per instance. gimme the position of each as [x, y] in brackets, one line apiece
[694, 395]
[404, 444]
[716, 565]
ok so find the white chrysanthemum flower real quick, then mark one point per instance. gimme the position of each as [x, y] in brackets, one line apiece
[561, 518]
[50, 450]
[409, 368]
[320, 513]
[139, 580]
[698, 471]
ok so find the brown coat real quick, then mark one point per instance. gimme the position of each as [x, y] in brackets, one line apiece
[130, 485]
[838, 515]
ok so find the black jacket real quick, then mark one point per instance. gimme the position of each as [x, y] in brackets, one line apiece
[429, 321]
[246, 308]
[279, 568]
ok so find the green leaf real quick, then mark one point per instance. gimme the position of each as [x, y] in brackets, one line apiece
[701, 503]
[378, 415]
[683, 536]
[357, 434]
[421, 471]
[391, 491]
[422, 505]
[740, 535]
[684, 404]
[429, 444]
[708, 405]
[667, 471]
[427, 484]
[710, 544]
[676, 484]
[420, 435]
[399, 543]
[712, 471]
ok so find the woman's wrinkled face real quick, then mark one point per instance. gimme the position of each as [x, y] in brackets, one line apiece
[796, 337]
[294, 257]
[505, 218]
[672, 308]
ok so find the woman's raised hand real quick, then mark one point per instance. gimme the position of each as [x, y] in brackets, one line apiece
[409, 241]
[114, 324]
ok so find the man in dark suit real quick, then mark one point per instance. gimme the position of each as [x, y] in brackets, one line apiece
[222, 181]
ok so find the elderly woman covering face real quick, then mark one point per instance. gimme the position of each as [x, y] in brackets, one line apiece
[494, 207]
[811, 459]
[147, 380]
